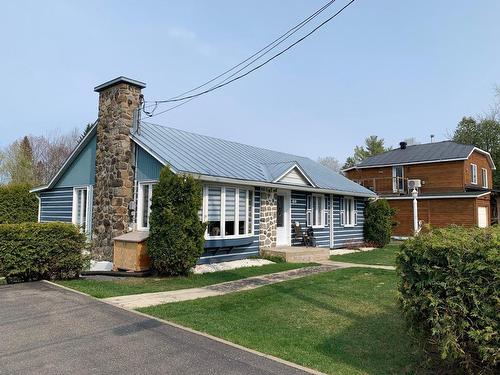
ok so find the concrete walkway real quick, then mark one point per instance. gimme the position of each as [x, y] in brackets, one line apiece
[351, 265]
[136, 301]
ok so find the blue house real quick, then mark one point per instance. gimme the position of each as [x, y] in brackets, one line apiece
[252, 197]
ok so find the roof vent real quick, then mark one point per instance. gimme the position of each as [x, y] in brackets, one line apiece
[402, 145]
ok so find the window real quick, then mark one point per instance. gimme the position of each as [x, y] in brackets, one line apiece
[473, 174]
[82, 205]
[228, 211]
[348, 212]
[316, 214]
[398, 179]
[144, 195]
[484, 177]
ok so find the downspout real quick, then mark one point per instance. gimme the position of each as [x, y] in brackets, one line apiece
[332, 238]
[39, 206]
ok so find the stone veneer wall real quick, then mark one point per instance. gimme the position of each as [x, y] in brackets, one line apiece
[114, 184]
[268, 216]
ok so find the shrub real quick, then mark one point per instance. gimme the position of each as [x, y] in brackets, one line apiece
[17, 204]
[34, 251]
[449, 293]
[176, 234]
[378, 223]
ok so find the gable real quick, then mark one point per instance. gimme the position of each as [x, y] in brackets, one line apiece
[148, 168]
[82, 170]
[294, 177]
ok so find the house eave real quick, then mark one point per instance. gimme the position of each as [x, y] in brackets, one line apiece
[277, 180]
[458, 196]
[408, 163]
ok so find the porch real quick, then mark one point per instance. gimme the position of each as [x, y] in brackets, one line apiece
[298, 254]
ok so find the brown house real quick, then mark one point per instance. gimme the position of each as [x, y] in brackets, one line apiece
[453, 181]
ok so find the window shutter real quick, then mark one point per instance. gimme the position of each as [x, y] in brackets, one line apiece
[342, 212]
[308, 210]
[355, 211]
[326, 211]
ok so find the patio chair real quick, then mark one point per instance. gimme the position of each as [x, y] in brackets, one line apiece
[304, 238]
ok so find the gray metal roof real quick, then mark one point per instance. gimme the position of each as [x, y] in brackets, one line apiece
[204, 155]
[427, 152]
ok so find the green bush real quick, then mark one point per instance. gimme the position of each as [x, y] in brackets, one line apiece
[449, 292]
[34, 251]
[176, 234]
[378, 223]
[17, 204]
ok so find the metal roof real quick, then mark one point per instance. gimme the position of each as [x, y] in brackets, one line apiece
[209, 156]
[423, 153]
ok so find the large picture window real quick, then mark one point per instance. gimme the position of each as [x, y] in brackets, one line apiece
[144, 195]
[82, 206]
[317, 214]
[228, 211]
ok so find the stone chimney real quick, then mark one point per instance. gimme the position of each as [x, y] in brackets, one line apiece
[114, 164]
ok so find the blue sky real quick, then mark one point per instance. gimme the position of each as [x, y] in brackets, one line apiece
[392, 68]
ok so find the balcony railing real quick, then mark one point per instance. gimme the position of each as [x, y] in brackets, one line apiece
[385, 185]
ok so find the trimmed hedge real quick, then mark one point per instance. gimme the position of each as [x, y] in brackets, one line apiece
[176, 234]
[35, 251]
[450, 295]
[17, 204]
[378, 223]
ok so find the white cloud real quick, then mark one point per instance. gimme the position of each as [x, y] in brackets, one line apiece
[191, 38]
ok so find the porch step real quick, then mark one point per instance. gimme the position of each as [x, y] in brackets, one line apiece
[298, 254]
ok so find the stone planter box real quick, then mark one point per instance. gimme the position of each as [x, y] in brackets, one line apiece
[131, 252]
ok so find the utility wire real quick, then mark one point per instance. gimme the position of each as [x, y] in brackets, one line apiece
[182, 98]
[280, 39]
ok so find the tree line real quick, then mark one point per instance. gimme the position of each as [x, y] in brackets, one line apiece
[34, 159]
[482, 131]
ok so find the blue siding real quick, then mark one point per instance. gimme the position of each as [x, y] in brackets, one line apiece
[240, 252]
[343, 236]
[148, 168]
[56, 205]
[299, 208]
[82, 170]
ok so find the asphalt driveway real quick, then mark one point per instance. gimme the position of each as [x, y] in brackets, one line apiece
[48, 330]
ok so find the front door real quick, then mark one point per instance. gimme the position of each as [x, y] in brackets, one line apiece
[283, 227]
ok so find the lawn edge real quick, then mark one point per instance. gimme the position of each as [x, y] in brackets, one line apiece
[203, 334]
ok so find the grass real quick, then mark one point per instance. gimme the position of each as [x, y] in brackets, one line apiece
[132, 285]
[341, 322]
[385, 256]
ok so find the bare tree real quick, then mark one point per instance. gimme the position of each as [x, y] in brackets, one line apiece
[330, 162]
[36, 159]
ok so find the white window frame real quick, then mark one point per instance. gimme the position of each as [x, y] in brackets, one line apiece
[398, 185]
[484, 177]
[88, 207]
[140, 203]
[320, 214]
[352, 215]
[249, 232]
[473, 172]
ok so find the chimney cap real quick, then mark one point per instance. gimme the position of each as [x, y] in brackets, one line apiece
[402, 145]
[117, 81]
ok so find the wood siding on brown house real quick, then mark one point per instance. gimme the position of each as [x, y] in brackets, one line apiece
[481, 161]
[436, 177]
[437, 212]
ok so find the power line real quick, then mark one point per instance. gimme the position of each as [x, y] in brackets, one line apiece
[190, 97]
[278, 40]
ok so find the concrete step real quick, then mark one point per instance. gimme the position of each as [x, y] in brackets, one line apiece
[298, 254]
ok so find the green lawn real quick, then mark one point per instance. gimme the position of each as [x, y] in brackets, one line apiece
[341, 322]
[132, 285]
[384, 256]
